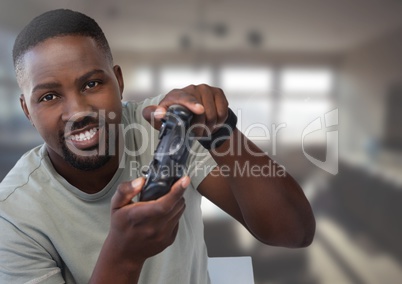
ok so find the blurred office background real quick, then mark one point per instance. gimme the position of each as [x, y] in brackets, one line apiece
[287, 67]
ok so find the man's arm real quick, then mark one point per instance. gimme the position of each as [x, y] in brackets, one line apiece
[254, 190]
[273, 208]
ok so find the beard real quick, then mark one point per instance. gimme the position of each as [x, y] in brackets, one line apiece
[86, 163]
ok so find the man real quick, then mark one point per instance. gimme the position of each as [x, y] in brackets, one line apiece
[69, 209]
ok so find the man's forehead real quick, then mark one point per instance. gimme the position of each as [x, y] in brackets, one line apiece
[55, 55]
[61, 46]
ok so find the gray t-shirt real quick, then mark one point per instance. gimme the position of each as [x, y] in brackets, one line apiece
[51, 232]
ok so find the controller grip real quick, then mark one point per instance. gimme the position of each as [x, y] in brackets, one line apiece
[154, 191]
[171, 154]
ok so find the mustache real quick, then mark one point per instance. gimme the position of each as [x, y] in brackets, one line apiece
[87, 120]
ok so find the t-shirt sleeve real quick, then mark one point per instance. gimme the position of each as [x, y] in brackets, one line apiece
[22, 260]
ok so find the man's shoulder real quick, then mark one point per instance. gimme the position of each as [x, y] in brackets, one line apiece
[22, 174]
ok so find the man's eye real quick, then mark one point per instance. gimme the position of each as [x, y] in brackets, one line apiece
[91, 84]
[48, 97]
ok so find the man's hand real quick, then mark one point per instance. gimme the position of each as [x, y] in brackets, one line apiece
[144, 229]
[209, 105]
[138, 230]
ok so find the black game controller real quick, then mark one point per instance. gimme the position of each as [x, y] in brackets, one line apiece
[168, 164]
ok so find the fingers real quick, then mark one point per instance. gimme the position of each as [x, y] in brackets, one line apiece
[174, 204]
[170, 204]
[125, 192]
[153, 115]
[216, 110]
[148, 111]
[207, 121]
[145, 229]
[222, 106]
[209, 105]
[187, 97]
[176, 192]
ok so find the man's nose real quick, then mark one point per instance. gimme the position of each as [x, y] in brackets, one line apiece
[76, 107]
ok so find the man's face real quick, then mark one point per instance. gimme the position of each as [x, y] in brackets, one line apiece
[72, 95]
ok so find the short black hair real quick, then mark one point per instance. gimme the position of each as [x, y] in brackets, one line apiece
[56, 23]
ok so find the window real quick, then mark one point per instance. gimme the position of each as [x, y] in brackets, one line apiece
[246, 80]
[310, 81]
[173, 77]
[298, 114]
[305, 94]
[302, 94]
[249, 89]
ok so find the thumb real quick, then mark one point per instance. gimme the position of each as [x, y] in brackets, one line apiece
[153, 115]
[125, 192]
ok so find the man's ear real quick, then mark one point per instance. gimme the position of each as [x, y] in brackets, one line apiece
[119, 76]
[25, 108]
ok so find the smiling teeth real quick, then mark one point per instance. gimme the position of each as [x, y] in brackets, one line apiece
[84, 136]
